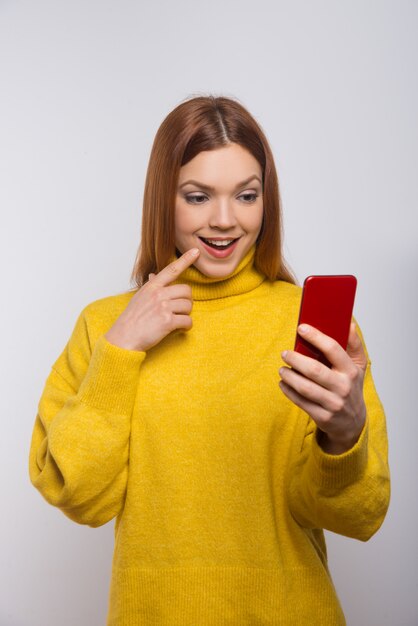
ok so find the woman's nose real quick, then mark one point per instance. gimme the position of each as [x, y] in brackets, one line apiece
[223, 215]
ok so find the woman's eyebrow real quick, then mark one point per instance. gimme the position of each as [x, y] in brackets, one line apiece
[209, 188]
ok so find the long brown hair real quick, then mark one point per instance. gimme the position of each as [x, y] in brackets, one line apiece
[197, 124]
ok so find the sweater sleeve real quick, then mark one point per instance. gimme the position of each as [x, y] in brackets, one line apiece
[80, 442]
[347, 493]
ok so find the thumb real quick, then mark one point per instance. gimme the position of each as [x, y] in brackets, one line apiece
[355, 348]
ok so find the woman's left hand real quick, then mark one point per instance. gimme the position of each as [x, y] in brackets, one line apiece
[333, 397]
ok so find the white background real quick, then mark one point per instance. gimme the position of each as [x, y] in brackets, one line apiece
[84, 87]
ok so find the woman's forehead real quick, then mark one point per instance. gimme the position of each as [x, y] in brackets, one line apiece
[232, 164]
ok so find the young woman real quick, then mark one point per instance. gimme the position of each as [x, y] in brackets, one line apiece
[180, 409]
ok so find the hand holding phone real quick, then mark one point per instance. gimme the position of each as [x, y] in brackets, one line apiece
[327, 304]
[333, 397]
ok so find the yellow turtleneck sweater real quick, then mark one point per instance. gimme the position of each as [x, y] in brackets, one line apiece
[218, 485]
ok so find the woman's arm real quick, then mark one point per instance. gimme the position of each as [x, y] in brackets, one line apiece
[340, 480]
[80, 443]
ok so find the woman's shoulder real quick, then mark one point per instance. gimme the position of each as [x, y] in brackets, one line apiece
[110, 302]
[284, 289]
[281, 297]
[101, 313]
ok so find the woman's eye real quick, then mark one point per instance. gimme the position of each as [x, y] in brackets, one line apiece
[192, 199]
[251, 197]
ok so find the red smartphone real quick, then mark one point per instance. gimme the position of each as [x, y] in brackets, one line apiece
[327, 304]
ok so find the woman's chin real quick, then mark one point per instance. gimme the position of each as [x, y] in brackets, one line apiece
[215, 270]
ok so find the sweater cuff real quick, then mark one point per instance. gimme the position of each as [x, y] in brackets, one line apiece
[111, 380]
[337, 470]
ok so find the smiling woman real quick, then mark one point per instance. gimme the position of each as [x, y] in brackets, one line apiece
[165, 412]
[204, 158]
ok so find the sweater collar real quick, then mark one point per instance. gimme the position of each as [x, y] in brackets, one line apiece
[244, 278]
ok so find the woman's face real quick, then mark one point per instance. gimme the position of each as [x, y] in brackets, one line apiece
[222, 203]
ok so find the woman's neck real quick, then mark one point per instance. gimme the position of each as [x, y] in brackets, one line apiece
[244, 278]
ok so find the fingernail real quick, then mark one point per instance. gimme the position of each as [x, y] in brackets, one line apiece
[284, 354]
[303, 328]
[195, 251]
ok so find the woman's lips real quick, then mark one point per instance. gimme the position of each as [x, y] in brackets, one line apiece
[220, 253]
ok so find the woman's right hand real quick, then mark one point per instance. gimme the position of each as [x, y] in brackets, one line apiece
[156, 309]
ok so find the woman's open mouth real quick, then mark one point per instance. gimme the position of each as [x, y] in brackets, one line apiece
[219, 249]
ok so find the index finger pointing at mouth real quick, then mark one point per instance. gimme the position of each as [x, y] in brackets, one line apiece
[174, 269]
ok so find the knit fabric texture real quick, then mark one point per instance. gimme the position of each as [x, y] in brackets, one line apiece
[219, 488]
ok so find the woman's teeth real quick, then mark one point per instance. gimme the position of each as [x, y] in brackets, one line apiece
[218, 244]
